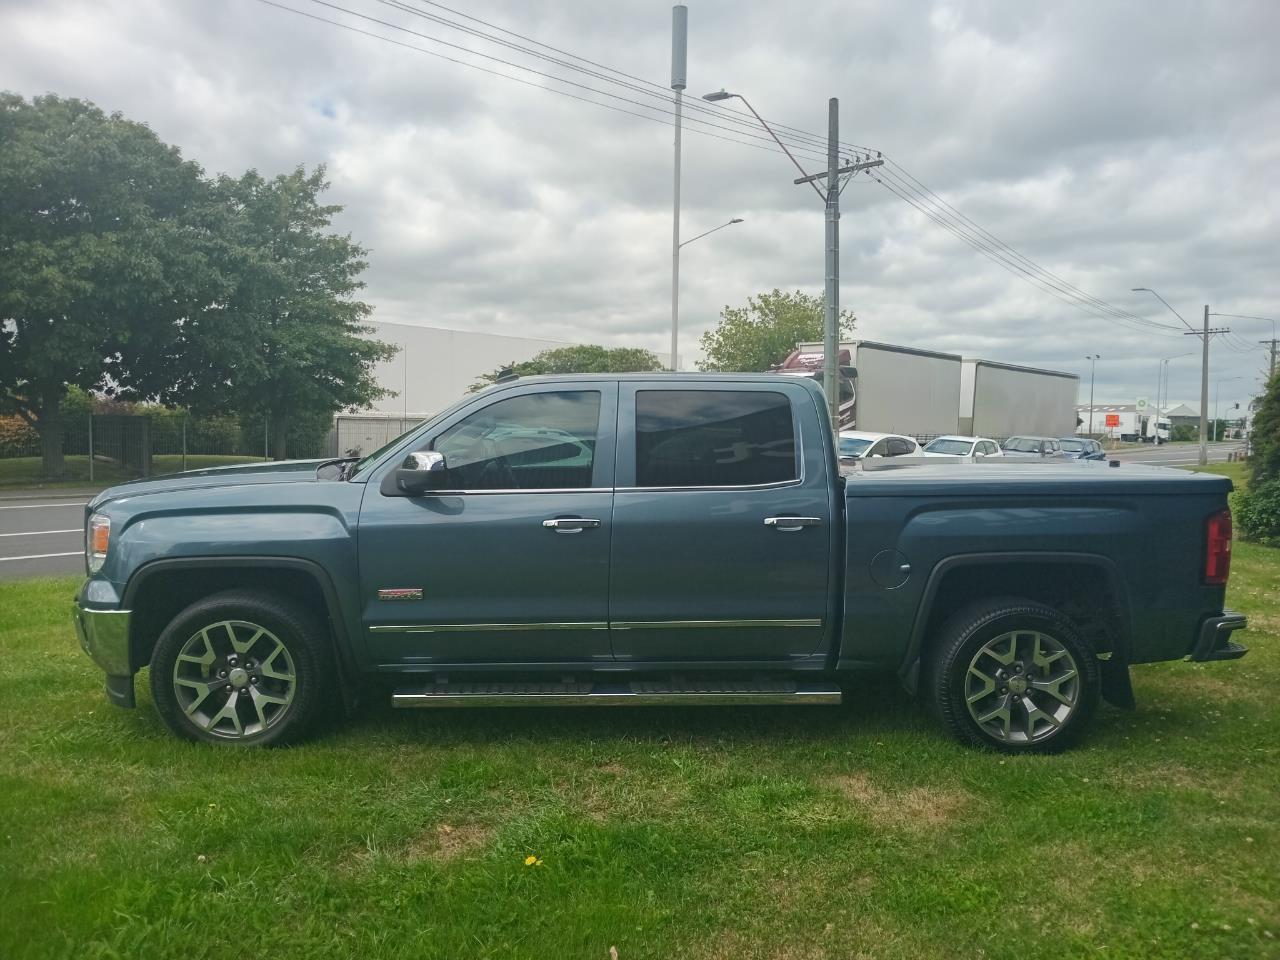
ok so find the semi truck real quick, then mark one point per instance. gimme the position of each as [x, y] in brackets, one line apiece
[1003, 400]
[888, 388]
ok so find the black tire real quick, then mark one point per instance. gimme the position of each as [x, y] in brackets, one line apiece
[1021, 724]
[307, 658]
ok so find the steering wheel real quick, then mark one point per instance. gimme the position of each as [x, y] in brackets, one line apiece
[497, 473]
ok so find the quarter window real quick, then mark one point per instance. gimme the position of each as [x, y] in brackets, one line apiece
[713, 438]
[536, 441]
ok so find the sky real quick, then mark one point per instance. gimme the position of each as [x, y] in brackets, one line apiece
[1113, 144]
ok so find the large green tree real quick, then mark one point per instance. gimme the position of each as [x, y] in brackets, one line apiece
[104, 251]
[587, 358]
[288, 343]
[1264, 441]
[755, 337]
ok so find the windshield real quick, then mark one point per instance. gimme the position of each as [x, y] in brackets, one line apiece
[369, 460]
[1022, 445]
[1073, 446]
[853, 446]
[955, 448]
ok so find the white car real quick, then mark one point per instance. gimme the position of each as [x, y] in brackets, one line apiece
[974, 447]
[860, 445]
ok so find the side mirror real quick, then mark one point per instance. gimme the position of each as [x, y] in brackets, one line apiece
[979, 454]
[421, 472]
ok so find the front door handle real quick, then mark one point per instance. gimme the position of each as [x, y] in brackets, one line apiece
[570, 524]
[791, 524]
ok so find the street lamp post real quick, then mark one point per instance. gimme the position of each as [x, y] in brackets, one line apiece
[1216, 386]
[1162, 383]
[675, 288]
[1093, 361]
[1204, 365]
[831, 201]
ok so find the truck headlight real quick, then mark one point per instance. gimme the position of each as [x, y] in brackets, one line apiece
[97, 537]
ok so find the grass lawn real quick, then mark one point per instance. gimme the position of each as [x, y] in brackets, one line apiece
[25, 471]
[719, 833]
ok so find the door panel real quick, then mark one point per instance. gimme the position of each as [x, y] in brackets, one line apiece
[500, 580]
[697, 573]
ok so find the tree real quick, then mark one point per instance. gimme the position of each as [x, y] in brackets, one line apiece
[288, 344]
[584, 359]
[761, 334]
[1264, 442]
[104, 243]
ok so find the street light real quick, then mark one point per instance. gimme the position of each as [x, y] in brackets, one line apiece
[1204, 366]
[1162, 377]
[712, 230]
[1093, 361]
[1215, 403]
[675, 289]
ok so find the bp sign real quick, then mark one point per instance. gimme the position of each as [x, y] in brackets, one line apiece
[1142, 405]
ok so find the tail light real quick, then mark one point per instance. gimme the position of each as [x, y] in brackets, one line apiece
[1217, 548]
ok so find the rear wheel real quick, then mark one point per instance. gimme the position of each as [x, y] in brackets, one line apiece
[241, 667]
[1013, 675]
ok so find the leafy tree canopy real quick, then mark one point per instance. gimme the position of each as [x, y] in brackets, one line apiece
[588, 358]
[104, 248]
[1264, 456]
[761, 334]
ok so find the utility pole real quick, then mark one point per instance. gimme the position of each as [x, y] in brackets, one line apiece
[1271, 371]
[679, 50]
[1204, 381]
[831, 201]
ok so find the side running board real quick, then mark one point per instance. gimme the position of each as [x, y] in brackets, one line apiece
[636, 693]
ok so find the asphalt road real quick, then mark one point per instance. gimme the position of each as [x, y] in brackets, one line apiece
[1177, 454]
[41, 536]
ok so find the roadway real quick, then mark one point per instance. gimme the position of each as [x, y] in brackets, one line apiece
[41, 536]
[1177, 454]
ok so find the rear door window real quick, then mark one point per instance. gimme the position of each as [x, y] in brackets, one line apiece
[714, 438]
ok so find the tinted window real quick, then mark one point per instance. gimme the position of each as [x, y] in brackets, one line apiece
[533, 442]
[898, 448]
[713, 438]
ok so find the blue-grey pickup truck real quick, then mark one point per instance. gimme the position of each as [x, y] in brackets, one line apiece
[649, 539]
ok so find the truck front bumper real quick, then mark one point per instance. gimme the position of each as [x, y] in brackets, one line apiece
[1215, 641]
[104, 636]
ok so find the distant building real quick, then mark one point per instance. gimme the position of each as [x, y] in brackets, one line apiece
[1182, 415]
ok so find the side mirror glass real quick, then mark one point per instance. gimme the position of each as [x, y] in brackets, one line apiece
[421, 472]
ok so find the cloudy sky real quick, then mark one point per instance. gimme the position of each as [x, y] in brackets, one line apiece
[1114, 144]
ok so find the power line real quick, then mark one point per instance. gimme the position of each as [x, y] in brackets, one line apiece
[506, 76]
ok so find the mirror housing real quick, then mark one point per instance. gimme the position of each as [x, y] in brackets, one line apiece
[421, 472]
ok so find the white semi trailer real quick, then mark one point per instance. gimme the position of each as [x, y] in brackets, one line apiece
[895, 389]
[1002, 400]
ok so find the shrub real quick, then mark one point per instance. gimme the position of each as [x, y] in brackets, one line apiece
[1257, 513]
[18, 438]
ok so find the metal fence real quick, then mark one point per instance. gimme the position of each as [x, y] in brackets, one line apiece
[103, 448]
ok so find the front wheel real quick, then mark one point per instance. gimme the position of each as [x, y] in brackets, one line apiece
[1013, 675]
[241, 667]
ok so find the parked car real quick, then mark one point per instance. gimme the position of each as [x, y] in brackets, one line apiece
[975, 447]
[1032, 447]
[1082, 448]
[862, 445]
[709, 550]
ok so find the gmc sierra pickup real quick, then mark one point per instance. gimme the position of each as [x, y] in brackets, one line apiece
[650, 539]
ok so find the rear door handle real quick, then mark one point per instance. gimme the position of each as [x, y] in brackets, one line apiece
[791, 524]
[570, 524]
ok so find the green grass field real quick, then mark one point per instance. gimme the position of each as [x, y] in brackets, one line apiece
[25, 471]
[722, 833]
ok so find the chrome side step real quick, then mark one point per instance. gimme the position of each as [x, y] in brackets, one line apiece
[636, 693]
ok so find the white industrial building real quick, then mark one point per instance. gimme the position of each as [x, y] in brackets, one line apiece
[433, 369]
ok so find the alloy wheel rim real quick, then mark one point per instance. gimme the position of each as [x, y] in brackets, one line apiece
[234, 679]
[1022, 686]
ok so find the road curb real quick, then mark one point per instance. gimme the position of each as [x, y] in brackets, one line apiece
[27, 493]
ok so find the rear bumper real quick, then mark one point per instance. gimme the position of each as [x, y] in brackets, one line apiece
[104, 636]
[1215, 641]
